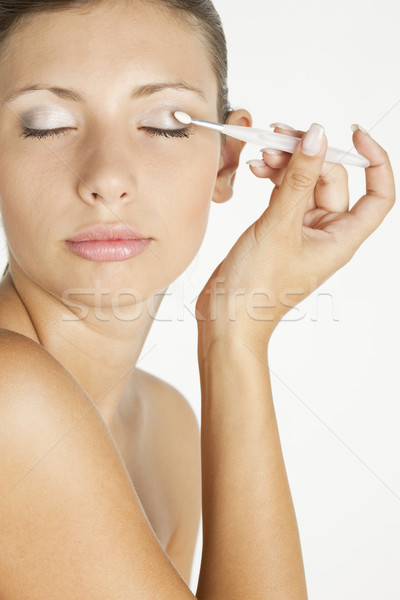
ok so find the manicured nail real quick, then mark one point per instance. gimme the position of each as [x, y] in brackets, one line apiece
[355, 126]
[311, 143]
[270, 151]
[256, 163]
[282, 126]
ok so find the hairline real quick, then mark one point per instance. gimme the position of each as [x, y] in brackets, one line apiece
[182, 17]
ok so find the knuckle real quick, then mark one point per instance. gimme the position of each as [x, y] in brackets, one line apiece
[333, 174]
[299, 180]
[342, 172]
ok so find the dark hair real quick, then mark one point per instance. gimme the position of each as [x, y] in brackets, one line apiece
[200, 14]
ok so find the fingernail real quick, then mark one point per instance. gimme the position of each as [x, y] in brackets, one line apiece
[282, 126]
[312, 141]
[256, 163]
[270, 151]
[355, 126]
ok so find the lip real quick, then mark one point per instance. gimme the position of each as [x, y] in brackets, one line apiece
[104, 243]
[108, 232]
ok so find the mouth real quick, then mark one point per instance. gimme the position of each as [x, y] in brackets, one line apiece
[102, 233]
[105, 243]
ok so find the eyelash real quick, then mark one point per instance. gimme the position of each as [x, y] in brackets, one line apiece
[153, 131]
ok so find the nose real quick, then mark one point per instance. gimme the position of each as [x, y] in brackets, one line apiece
[106, 173]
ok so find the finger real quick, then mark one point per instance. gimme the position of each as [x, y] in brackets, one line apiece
[371, 209]
[332, 189]
[286, 129]
[280, 158]
[275, 158]
[260, 169]
[290, 199]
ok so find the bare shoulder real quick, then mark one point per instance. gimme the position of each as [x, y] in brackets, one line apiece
[14, 345]
[30, 376]
[66, 497]
[168, 401]
[21, 358]
[12, 342]
[179, 452]
[176, 432]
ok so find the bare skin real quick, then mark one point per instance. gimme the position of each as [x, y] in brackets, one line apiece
[93, 175]
[148, 410]
[161, 187]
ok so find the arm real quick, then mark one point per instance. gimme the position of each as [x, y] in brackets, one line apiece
[251, 546]
[71, 523]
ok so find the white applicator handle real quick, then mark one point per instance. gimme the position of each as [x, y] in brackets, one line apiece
[288, 143]
[279, 141]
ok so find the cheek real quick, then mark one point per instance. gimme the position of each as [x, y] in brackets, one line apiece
[184, 190]
[191, 203]
[14, 189]
[181, 193]
[23, 207]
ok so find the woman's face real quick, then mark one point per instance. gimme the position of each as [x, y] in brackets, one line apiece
[159, 186]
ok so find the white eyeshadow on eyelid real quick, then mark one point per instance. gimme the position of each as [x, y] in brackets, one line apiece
[163, 119]
[45, 118]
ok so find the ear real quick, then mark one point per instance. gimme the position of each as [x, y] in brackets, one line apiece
[230, 154]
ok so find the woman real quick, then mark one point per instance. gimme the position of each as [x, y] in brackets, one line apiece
[100, 461]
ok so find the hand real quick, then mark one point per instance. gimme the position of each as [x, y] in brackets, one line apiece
[332, 185]
[304, 236]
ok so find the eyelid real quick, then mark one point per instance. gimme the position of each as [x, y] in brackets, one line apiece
[161, 117]
[46, 118]
[53, 116]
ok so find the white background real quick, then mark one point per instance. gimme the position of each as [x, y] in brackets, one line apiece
[334, 359]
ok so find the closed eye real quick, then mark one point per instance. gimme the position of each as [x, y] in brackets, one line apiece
[181, 132]
[41, 133]
[153, 131]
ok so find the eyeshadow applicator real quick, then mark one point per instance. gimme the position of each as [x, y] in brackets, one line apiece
[280, 141]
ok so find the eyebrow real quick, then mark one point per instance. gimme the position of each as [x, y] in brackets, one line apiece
[75, 96]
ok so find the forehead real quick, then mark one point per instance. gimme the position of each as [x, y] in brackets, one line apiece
[133, 42]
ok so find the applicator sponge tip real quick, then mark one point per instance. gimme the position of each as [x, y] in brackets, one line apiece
[182, 117]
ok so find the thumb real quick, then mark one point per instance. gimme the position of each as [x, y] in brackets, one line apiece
[289, 200]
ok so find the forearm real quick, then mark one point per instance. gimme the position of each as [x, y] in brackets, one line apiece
[251, 546]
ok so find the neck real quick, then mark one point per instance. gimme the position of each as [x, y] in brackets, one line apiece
[99, 345]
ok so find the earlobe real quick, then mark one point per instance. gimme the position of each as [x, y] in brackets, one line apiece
[230, 155]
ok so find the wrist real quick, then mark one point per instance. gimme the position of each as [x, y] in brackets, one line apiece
[217, 322]
[230, 342]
